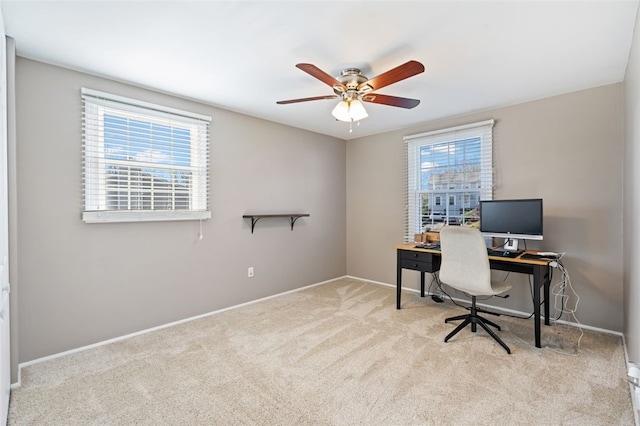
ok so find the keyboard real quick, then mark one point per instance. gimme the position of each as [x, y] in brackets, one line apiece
[536, 256]
[428, 246]
[503, 253]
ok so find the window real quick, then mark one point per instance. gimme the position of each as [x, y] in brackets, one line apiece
[143, 162]
[453, 164]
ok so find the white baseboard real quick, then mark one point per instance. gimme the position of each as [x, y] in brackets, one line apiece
[634, 390]
[635, 401]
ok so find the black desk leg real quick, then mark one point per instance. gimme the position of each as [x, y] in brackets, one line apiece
[537, 282]
[398, 279]
[421, 283]
[547, 285]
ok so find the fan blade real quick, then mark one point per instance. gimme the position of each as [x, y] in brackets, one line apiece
[316, 98]
[377, 98]
[399, 73]
[316, 72]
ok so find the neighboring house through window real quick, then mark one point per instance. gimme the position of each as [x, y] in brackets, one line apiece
[453, 164]
[143, 162]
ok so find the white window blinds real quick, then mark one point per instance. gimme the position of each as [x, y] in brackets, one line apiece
[142, 161]
[448, 172]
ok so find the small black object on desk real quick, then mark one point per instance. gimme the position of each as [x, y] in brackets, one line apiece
[503, 253]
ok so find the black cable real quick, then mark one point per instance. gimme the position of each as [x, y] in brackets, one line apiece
[501, 314]
[562, 304]
[453, 301]
[564, 288]
[506, 240]
[434, 279]
[468, 307]
[518, 317]
[437, 279]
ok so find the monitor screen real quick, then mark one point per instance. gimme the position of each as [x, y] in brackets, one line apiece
[512, 218]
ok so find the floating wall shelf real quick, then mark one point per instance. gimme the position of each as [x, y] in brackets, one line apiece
[256, 217]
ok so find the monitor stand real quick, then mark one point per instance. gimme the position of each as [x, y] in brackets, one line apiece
[511, 244]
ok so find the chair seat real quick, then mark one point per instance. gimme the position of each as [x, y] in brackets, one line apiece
[500, 286]
[497, 287]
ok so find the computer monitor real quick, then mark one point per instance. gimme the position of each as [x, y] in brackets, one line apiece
[512, 220]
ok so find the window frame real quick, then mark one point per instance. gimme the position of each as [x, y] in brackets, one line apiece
[95, 162]
[414, 144]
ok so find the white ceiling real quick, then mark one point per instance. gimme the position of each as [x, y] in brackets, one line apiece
[241, 55]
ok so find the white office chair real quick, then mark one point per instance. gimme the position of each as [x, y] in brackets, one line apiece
[465, 267]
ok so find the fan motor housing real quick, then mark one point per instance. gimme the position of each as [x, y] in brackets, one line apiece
[351, 78]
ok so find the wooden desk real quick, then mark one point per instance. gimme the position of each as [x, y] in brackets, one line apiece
[428, 260]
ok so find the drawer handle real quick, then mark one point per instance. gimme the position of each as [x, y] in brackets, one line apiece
[415, 254]
[415, 265]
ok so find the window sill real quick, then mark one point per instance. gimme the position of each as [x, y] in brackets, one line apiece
[142, 216]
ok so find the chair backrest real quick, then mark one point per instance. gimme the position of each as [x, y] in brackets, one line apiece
[465, 264]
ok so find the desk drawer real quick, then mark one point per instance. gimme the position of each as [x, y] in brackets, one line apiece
[418, 260]
[416, 255]
[416, 265]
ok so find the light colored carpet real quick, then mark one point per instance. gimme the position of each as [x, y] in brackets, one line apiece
[334, 354]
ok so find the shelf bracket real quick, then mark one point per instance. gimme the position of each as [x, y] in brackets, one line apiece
[293, 220]
[254, 220]
[293, 217]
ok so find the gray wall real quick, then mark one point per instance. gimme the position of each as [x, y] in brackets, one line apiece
[565, 149]
[632, 200]
[84, 283]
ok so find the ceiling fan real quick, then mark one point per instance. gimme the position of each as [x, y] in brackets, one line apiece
[353, 88]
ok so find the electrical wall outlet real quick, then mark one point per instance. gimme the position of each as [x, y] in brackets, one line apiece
[250, 272]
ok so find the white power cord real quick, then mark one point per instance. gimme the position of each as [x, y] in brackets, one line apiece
[563, 292]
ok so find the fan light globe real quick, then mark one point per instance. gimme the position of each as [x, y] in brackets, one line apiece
[349, 111]
[357, 111]
[341, 111]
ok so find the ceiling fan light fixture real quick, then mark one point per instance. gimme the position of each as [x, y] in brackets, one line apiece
[351, 87]
[349, 110]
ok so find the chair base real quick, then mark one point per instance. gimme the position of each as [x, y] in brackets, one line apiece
[474, 319]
